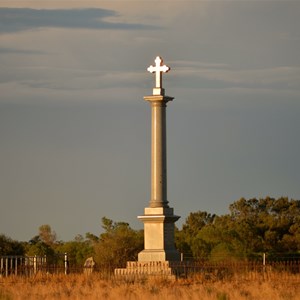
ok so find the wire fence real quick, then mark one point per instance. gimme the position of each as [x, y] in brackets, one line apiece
[205, 271]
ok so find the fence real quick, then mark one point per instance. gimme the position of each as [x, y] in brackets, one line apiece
[205, 271]
[17, 265]
[30, 265]
[201, 271]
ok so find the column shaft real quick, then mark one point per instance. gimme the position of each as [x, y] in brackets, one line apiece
[159, 156]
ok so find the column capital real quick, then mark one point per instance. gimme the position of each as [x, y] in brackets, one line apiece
[158, 98]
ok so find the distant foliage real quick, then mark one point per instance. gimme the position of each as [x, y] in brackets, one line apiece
[10, 247]
[118, 244]
[78, 251]
[47, 235]
[253, 227]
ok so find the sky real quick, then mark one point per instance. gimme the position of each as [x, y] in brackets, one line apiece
[75, 131]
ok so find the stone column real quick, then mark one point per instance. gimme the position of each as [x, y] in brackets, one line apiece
[158, 218]
[158, 151]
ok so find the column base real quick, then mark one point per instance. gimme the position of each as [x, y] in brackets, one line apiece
[158, 255]
[159, 244]
[144, 270]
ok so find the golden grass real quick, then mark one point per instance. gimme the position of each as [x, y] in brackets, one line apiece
[80, 286]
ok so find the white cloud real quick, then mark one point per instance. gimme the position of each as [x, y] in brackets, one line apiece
[278, 77]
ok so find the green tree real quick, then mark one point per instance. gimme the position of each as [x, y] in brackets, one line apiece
[118, 244]
[269, 225]
[43, 244]
[91, 237]
[196, 221]
[47, 235]
[218, 241]
[10, 247]
[77, 250]
[39, 248]
[185, 238]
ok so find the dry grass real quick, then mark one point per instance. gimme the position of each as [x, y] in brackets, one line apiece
[92, 287]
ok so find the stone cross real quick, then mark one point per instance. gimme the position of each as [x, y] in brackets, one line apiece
[158, 69]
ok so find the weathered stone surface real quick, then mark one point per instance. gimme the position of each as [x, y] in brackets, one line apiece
[89, 265]
[159, 242]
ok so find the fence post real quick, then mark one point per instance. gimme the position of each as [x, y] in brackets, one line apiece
[6, 266]
[11, 265]
[44, 263]
[16, 266]
[1, 268]
[34, 264]
[66, 263]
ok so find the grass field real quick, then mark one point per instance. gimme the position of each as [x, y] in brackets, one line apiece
[80, 286]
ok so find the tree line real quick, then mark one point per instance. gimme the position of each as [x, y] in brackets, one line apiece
[251, 227]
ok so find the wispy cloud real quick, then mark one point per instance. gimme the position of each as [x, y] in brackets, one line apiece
[70, 78]
[20, 19]
[223, 76]
[4, 50]
[188, 64]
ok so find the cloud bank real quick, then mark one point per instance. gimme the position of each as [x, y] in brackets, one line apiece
[20, 19]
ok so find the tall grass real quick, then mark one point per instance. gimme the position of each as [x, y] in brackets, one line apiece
[80, 286]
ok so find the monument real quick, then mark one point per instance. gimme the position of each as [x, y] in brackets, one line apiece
[159, 254]
[158, 218]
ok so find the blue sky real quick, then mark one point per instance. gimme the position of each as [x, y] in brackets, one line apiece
[75, 130]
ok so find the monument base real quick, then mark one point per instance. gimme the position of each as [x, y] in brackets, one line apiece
[159, 242]
[158, 255]
[137, 270]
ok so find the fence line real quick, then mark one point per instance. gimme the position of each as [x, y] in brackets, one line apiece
[31, 265]
[27, 265]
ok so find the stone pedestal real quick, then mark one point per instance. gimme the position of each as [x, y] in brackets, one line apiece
[159, 235]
